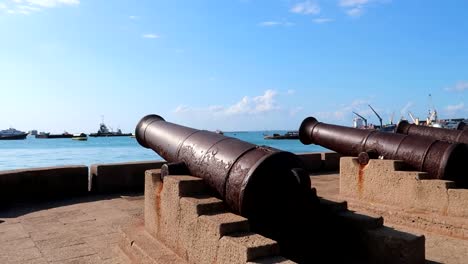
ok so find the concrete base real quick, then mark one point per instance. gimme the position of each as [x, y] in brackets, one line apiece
[382, 244]
[185, 220]
[183, 216]
[405, 197]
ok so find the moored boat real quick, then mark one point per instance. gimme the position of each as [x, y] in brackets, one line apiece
[80, 137]
[12, 134]
[52, 136]
[287, 135]
[104, 132]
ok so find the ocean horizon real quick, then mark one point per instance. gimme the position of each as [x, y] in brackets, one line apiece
[33, 152]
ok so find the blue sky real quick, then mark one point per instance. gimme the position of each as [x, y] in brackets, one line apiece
[228, 64]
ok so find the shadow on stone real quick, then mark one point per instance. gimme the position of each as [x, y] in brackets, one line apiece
[16, 209]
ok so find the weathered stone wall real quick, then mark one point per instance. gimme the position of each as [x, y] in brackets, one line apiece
[41, 183]
[320, 162]
[118, 177]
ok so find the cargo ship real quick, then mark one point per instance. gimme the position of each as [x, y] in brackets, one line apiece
[52, 136]
[287, 135]
[104, 132]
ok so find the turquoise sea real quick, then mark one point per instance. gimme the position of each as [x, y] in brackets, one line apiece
[32, 152]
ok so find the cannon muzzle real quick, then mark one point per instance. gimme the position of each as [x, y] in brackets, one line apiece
[441, 160]
[246, 176]
[459, 135]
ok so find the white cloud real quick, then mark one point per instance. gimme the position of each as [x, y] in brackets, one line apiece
[265, 102]
[26, 7]
[52, 3]
[355, 12]
[306, 8]
[459, 87]
[344, 113]
[247, 105]
[269, 23]
[133, 17]
[3, 6]
[322, 20]
[353, 3]
[355, 8]
[150, 36]
[243, 106]
[455, 108]
[291, 91]
[181, 109]
[274, 23]
[295, 110]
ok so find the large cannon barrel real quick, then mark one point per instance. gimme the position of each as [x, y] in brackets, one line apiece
[248, 177]
[441, 160]
[451, 135]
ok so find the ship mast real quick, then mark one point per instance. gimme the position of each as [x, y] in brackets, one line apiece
[364, 119]
[380, 118]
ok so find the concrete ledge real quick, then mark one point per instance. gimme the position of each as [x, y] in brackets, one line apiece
[118, 177]
[398, 247]
[312, 161]
[140, 247]
[382, 182]
[41, 183]
[323, 162]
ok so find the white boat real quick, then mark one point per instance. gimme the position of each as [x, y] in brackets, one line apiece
[80, 137]
[12, 134]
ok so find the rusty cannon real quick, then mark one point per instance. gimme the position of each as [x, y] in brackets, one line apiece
[441, 160]
[459, 135]
[264, 184]
[239, 172]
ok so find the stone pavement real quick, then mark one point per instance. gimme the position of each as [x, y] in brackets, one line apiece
[78, 230]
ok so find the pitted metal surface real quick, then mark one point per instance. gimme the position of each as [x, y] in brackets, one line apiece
[227, 164]
[441, 160]
[459, 135]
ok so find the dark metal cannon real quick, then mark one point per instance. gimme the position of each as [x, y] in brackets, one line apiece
[462, 126]
[246, 176]
[441, 160]
[449, 135]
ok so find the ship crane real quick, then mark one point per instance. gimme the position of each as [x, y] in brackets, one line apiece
[380, 118]
[364, 119]
[415, 120]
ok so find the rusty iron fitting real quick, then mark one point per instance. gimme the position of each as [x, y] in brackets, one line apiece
[449, 135]
[365, 157]
[245, 176]
[441, 160]
[174, 168]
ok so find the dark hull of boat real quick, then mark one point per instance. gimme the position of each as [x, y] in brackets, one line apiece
[282, 137]
[54, 136]
[15, 137]
[109, 135]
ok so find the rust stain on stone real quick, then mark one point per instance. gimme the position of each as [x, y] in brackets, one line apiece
[361, 178]
[159, 188]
